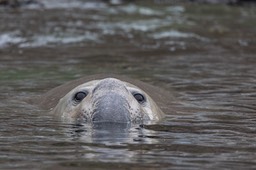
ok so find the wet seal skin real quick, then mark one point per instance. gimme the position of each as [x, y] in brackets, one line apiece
[106, 98]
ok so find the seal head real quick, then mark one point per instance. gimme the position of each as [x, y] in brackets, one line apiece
[107, 100]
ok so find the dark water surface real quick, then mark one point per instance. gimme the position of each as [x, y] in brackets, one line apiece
[204, 54]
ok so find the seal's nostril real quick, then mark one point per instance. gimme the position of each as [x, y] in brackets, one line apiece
[112, 107]
[97, 118]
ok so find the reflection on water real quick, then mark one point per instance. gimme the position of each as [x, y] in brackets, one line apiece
[110, 133]
[204, 54]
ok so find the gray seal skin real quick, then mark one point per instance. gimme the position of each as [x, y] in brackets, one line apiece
[106, 98]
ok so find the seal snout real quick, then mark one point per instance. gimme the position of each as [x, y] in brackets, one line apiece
[111, 104]
[111, 108]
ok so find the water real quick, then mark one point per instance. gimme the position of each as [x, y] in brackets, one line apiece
[203, 54]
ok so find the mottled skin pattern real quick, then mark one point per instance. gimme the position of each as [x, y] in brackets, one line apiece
[108, 99]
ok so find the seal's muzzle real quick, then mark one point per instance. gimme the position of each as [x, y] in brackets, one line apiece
[110, 102]
[111, 108]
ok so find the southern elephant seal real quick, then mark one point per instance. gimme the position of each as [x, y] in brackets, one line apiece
[103, 98]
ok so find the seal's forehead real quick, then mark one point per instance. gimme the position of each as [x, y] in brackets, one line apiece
[89, 84]
[94, 83]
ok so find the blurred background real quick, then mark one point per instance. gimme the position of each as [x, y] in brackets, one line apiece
[203, 51]
[61, 39]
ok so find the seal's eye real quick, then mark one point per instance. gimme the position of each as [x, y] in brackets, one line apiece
[79, 96]
[139, 97]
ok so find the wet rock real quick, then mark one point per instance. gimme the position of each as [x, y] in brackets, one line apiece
[223, 1]
[12, 3]
[17, 3]
[215, 1]
[117, 2]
